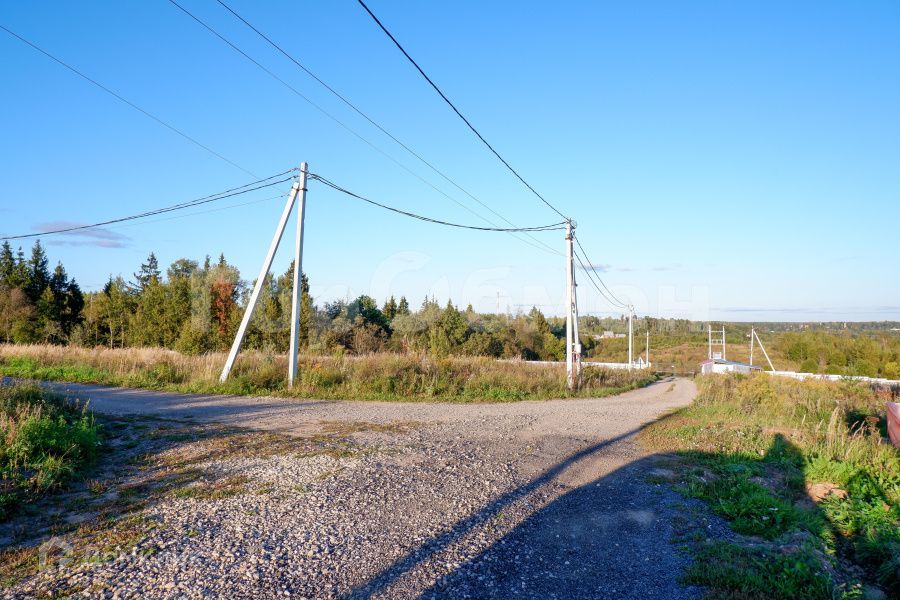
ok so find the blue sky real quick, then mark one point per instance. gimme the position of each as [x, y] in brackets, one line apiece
[722, 160]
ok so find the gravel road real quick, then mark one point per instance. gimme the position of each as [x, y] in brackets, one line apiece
[527, 499]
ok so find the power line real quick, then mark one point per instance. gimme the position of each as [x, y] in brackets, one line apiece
[356, 109]
[199, 212]
[612, 300]
[550, 227]
[126, 101]
[597, 275]
[591, 279]
[246, 188]
[456, 110]
[592, 273]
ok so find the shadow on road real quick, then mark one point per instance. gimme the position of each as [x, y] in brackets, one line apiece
[610, 537]
[616, 536]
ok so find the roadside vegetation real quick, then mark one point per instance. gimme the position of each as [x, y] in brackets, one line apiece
[805, 476]
[381, 376]
[852, 349]
[195, 307]
[44, 441]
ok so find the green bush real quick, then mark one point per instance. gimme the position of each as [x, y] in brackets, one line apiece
[44, 440]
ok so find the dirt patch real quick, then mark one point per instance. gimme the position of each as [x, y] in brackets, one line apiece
[819, 491]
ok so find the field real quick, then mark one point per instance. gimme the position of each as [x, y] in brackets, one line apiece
[685, 356]
[805, 476]
[811, 349]
[370, 377]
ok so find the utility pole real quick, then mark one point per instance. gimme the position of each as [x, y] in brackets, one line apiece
[752, 333]
[630, 337]
[723, 342]
[766, 354]
[709, 331]
[260, 280]
[573, 361]
[648, 347]
[298, 280]
[576, 340]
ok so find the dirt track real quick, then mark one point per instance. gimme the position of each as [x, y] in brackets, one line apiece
[535, 499]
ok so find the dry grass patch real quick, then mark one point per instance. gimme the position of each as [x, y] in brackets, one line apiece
[382, 376]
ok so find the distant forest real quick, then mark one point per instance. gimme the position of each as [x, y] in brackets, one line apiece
[195, 307]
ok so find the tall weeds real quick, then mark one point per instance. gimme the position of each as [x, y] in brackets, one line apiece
[44, 439]
[765, 443]
[382, 376]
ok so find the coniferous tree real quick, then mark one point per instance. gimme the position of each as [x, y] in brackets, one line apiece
[21, 268]
[71, 308]
[37, 273]
[390, 309]
[149, 273]
[306, 312]
[403, 306]
[8, 269]
[454, 325]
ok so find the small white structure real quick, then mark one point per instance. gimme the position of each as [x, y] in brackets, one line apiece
[607, 335]
[720, 365]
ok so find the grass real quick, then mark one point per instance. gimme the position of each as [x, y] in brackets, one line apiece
[389, 377]
[803, 472]
[44, 441]
[734, 571]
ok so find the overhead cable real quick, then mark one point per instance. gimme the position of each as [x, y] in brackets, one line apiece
[551, 227]
[244, 189]
[456, 110]
[126, 101]
[597, 275]
[360, 112]
[591, 279]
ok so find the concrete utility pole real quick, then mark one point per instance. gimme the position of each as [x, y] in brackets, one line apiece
[630, 337]
[648, 348]
[573, 348]
[575, 337]
[723, 342]
[298, 270]
[766, 354]
[260, 280]
[752, 333]
[709, 331]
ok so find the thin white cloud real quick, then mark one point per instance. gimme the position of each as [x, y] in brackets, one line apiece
[607, 268]
[598, 267]
[99, 237]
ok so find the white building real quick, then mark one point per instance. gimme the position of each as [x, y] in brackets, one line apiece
[720, 365]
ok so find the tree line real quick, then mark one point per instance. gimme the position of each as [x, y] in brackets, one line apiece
[36, 305]
[196, 307]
